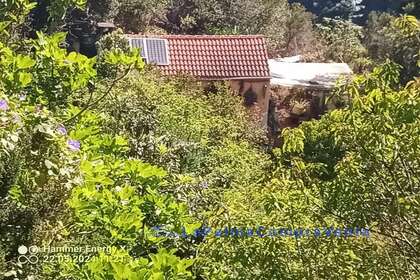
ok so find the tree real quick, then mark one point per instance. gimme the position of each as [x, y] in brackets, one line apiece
[55, 150]
[182, 18]
[397, 39]
[362, 181]
[413, 8]
[356, 167]
[288, 27]
[343, 41]
[357, 11]
[290, 31]
[137, 16]
[344, 9]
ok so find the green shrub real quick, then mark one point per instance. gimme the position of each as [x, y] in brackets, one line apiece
[355, 167]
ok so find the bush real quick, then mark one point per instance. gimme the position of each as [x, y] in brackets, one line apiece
[112, 42]
[175, 124]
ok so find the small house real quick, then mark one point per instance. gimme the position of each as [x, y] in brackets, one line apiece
[240, 60]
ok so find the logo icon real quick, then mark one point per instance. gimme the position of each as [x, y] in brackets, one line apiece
[23, 258]
[22, 250]
[33, 249]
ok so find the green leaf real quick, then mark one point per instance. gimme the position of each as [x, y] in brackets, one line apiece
[15, 192]
[24, 62]
[25, 78]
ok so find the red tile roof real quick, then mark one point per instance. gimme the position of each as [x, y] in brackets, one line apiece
[214, 57]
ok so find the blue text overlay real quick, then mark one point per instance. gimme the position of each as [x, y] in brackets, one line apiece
[260, 231]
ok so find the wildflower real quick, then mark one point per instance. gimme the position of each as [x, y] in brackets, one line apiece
[118, 189]
[124, 202]
[73, 145]
[22, 97]
[204, 185]
[62, 130]
[3, 105]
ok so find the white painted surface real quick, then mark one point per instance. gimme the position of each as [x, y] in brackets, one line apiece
[321, 75]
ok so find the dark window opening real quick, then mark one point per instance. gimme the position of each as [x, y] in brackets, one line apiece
[211, 88]
[250, 98]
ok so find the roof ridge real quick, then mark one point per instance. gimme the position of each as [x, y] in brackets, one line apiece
[190, 36]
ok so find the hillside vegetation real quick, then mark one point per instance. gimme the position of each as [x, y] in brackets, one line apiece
[142, 176]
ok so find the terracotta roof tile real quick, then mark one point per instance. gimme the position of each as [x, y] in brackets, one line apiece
[216, 57]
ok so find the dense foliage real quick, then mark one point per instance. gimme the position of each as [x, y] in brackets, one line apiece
[358, 10]
[398, 39]
[56, 153]
[176, 181]
[344, 40]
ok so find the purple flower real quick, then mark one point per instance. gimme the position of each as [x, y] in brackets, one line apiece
[62, 130]
[204, 185]
[22, 97]
[3, 105]
[73, 145]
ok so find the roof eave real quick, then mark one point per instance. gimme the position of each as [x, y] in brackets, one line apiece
[232, 78]
[303, 86]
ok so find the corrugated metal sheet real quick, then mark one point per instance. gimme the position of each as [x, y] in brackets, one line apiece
[314, 75]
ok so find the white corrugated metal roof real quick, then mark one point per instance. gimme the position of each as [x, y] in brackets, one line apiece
[315, 75]
[291, 59]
